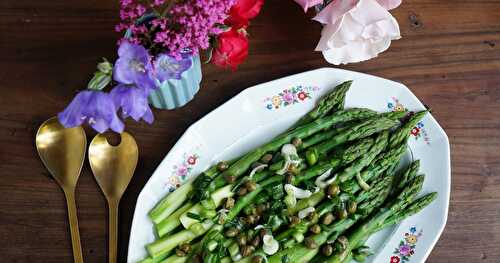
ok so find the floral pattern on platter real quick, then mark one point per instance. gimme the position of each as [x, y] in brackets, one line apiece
[418, 132]
[406, 247]
[290, 96]
[182, 171]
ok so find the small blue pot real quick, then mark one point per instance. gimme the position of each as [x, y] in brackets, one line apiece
[175, 93]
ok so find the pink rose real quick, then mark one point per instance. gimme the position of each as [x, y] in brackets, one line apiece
[306, 4]
[356, 30]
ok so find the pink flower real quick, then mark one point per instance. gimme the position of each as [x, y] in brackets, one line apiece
[191, 160]
[288, 97]
[182, 170]
[355, 30]
[306, 4]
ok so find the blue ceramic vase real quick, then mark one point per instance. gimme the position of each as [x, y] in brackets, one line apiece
[175, 93]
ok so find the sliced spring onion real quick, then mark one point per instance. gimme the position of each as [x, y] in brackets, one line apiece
[305, 212]
[257, 169]
[270, 246]
[362, 182]
[297, 192]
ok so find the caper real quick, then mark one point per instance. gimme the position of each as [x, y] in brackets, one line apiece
[251, 219]
[221, 219]
[229, 203]
[316, 229]
[310, 243]
[257, 259]
[266, 158]
[232, 232]
[255, 241]
[342, 213]
[351, 207]
[342, 243]
[180, 253]
[261, 208]
[185, 247]
[246, 250]
[289, 178]
[241, 239]
[197, 258]
[296, 141]
[230, 178]
[242, 191]
[328, 219]
[294, 220]
[312, 216]
[327, 250]
[250, 186]
[293, 169]
[222, 166]
[332, 190]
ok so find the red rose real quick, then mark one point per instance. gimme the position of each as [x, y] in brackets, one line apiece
[231, 49]
[395, 259]
[243, 11]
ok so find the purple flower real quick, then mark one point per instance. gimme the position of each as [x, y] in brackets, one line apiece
[133, 66]
[133, 102]
[167, 67]
[94, 107]
[288, 96]
[404, 250]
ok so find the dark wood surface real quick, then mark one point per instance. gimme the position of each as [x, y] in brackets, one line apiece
[449, 56]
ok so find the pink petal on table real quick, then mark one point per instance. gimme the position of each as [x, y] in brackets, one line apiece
[389, 4]
[335, 10]
[306, 4]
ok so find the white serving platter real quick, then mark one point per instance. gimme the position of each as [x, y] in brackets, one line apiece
[261, 112]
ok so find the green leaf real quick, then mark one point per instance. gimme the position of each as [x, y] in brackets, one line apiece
[105, 67]
[99, 81]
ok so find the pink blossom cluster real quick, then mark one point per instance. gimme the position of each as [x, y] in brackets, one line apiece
[186, 25]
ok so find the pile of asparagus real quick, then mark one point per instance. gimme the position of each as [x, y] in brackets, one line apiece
[313, 194]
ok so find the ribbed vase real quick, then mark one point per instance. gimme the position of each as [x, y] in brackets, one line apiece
[175, 93]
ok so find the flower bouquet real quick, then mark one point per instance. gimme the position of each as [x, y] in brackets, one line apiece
[354, 30]
[158, 55]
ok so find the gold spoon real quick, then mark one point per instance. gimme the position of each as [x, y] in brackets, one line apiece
[62, 151]
[113, 167]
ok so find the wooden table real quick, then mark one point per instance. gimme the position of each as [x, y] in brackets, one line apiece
[449, 56]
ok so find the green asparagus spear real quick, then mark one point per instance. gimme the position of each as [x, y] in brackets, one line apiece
[344, 157]
[408, 175]
[169, 204]
[415, 207]
[398, 204]
[170, 223]
[320, 137]
[362, 130]
[168, 243]
[376, 168]
[402, 134]
[366, 159]
[242, 165]
[333, 101]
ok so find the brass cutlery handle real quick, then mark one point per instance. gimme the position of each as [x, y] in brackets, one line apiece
[73, 225]
[113, 230]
